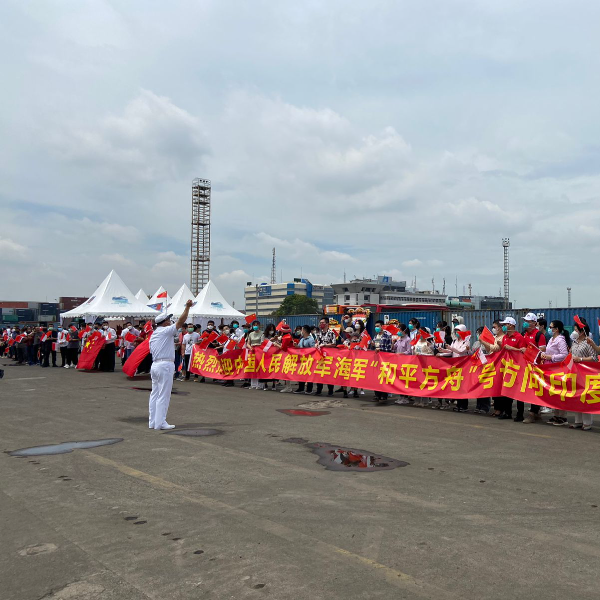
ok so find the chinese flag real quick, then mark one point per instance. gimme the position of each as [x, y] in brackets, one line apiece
[425, 335]
[280, 325]
[90, 350]
[578, 321]
[463, 334]
[487, 336]
[268, 347]
[162, 295]
[148, 327]
[73, 328]
[44, 337]
[365, 338]
[84, 331]
[392, 329]
[136, 357]
[532, 353]
[130, 337]
[440, 337]
[479, 357]
[207, 340]
[250, 318]
[222, 339]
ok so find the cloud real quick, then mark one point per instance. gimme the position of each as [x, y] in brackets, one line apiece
[119, 259]
[415, 262]
[152, 140]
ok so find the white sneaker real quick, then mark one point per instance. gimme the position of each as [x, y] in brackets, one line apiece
[165, 425]
[66, 367]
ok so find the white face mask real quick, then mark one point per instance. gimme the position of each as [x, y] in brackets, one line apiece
[495, 330]
[574, 336]
[210, 327]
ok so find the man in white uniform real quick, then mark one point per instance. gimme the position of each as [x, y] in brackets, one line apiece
[162, 348]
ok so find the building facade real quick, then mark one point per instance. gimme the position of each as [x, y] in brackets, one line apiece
[264, 298]
[382, 290]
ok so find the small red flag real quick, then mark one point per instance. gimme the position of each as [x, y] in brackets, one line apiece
[267, 346]
[365, 338]
[479, 357]
[222, 339]
[19, 339]
[250, 318]
[578, 321]
[463, 334]
[425, 335]
[73, 328]
[440, 337]
[207, 340]
[136, 358]
[280, 325]
[162, 295]
[392, 329]
[84, 331]
[130, 337]
[532, 353]
[487, 336]
[148, 327]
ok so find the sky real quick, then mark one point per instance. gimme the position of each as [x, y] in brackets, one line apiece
[368, 138]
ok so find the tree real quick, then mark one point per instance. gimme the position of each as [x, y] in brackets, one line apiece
[297, 305]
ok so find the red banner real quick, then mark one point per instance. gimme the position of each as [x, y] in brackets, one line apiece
[506, 373]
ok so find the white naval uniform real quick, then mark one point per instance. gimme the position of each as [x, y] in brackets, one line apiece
[162, 348]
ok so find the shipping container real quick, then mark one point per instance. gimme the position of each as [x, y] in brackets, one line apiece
[427, 318]
[12, 304]
[292, 320]
[9, 319]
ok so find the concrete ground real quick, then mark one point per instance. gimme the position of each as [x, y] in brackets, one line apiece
[484, 510]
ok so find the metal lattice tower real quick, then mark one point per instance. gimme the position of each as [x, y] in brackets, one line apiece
[506, 246]
[273, 270]
[569, 297]
[200, 248]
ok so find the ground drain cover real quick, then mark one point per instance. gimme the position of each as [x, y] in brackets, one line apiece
[194, 432]
[62, 448]
[303, 413]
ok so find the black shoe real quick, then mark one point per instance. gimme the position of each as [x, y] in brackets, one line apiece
[203, 380]
[503, 417]
[317, 393]
[355, 395]
[338, 390]
[518, 419]
[229, 384]
[246, 385]
[345, 394]
[298, 392]
[330, 394]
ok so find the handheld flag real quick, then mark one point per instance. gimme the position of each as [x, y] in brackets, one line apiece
[267, 346]
[463, 334]
[280, 325]
[148, 327]
[479, 357]
[487, 336]
[392, 329]
[425, 335]
[440, 338]
[365, 339]
[90, 350]
[130, 337]
[136, 358]
[222, 339]
[207, 340]
[532, 353]
[578, 321]
[84, 331]
[250, 318]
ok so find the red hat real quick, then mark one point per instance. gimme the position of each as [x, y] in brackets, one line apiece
[284, 327]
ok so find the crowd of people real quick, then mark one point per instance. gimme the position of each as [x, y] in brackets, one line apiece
[41, 346]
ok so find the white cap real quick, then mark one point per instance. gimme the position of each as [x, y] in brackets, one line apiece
[460, 327]
[530, 317]
[162, 318]
[508, 321]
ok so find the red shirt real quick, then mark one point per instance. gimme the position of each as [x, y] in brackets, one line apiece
[514, 339]
[530, 337]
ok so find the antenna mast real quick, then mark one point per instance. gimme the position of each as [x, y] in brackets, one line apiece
[273, 270]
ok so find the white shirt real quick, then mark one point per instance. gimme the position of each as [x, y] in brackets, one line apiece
[61, 339]
[189, 339]
[110, 335]
[162, 343]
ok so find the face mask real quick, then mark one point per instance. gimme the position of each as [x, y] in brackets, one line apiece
[400, 333]
[210, 327]
[574, 336]
[235, 325]
[226, 331]
[255, 327]
[357, 328]
[190, 329]
[411, 326]
[550, 332]
[377, 329]
[180, 329]
[504, 328]
[60, 328]
[525, 325]
[246, 330]
[495, 330]
[437, 329]
[49, 328]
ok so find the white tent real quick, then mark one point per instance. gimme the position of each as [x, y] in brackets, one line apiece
[177, 304]
[141, 295]
[159, 303]
[210, 304]
[113, 299]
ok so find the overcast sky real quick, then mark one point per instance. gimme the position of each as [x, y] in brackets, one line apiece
[381, 137]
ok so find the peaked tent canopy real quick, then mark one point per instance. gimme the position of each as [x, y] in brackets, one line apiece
[112, 299]
[159, 303]
[141, 295]
[210, 304]
[177, 304]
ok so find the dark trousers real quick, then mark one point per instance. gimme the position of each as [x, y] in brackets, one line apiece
[320, 388]
[107, 361]
[309, 387]
[72, 356]
[484, 404]
[21, 353]
[36, 352]
[186, 366]
[63, 355]
[503, 404]
[381, 395]
[463, 404]
[535, 409]
[30, 357]
[47, 354]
